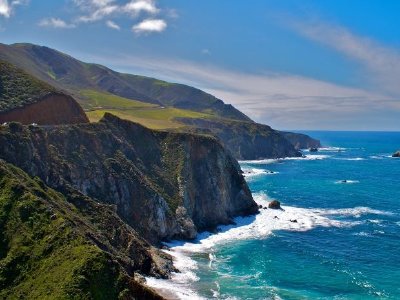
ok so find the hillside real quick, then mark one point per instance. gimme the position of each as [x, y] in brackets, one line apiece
[18, 89]
[67, 246]
[73, 76]
[26, 99]
[153, 103]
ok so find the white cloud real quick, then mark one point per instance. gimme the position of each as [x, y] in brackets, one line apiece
[381, 62]
[150, 25]
[135, 7]
[113, 25]
[99, 13]
[282, 100]
[55, 23]
[96, 10]
[7, 8]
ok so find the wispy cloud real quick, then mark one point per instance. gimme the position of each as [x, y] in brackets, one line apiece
[146, 13]
[206, 51]
[280, 100]
[150, 25]
[55, 23]
[95, 10]
[381, 62]
[113, 25]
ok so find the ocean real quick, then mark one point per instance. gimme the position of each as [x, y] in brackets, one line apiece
[337, 237]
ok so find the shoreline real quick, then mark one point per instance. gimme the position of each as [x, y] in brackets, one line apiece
[184, 285]
[260, 226]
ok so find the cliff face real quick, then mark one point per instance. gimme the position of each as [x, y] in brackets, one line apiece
[165, 185]
[52, 109]
[301, 141]
[245, 140]
[68, 246]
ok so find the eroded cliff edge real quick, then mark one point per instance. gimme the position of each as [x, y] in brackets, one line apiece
[52, 109]
[165, 185]
[26, 99]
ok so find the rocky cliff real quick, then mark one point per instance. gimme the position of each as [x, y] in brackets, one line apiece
[245, 140]
[165, 185]
[301, 141]
[68, 246]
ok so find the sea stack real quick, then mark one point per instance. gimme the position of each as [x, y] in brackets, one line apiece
[396, 154]
[274, 204]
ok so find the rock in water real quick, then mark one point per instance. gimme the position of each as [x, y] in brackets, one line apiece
[275, 204]
[313, 149]
[396, 154]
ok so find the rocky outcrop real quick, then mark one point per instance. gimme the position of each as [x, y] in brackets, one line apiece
[245, 140]
[68, 246]
[165, 185]
[301, 141]
[53, 109]
[396, 154]
[274, 204]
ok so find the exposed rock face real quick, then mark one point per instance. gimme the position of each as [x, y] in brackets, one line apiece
[53, 109]
[165, 185]
[73, 247]
[246, 140]
[274, 204]
[301, 141]
[396, 154]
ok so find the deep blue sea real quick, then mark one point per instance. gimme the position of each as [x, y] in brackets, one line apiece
[337, 237]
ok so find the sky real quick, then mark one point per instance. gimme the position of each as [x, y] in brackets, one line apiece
[298, 65]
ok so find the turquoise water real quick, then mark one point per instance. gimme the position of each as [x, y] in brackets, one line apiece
[334, 239]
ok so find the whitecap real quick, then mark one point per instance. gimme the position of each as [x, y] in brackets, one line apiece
[378, 156]
[355, 211]
[309, 157]
[275, 160]
[332, 149]
[350, 158]
[252, 172]
[261, 161]
[346, 181]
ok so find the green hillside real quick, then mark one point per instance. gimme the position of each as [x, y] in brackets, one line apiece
[150, 115]
[74, 76]
[18, 89]
[54, 246]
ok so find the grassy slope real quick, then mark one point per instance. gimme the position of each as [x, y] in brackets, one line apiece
[149, 115]
[44, 253]
[18, 88]
[74, 76]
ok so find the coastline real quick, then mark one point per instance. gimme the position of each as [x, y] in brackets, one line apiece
[256, 227]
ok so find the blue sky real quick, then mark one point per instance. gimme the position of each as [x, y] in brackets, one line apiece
[331, 64]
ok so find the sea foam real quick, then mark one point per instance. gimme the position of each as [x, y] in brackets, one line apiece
[253, 172]
[275, 160]
[252, 227]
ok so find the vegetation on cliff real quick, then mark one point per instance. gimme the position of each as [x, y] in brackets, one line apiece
[18, 89]
[165, 185]
[73, 76]
[245, 140]
[67, 246]
[153, 103]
